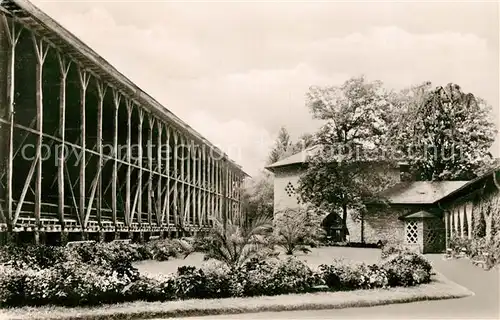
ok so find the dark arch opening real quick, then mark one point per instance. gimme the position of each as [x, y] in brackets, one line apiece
[333, 226]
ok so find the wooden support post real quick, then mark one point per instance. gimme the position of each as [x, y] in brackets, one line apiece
[166, 206]
[446, 226]
[114, 178]
[212, 185]
[84, 81]
[201, 185]
[188, 160]
[61, 161]
[461, 212]
[101, 92]
[41, 50]
[140, 171]
[159, 166]
[224, 190]
[129, 158]
[176, 178]
[150, 167]
[469, 207]
[13, 35]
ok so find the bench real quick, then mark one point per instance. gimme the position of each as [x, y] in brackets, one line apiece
[77, 243]
[485, 263]
[122, 240]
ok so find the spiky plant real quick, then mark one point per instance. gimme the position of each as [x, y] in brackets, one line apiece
[296, 230]
[235, 243]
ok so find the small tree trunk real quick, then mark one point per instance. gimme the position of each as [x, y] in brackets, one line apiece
[344, 221]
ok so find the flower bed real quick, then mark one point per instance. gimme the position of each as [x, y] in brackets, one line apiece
[90, 276]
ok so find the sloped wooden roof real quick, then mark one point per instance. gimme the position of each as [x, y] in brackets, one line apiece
[421, 192]
[42, 24]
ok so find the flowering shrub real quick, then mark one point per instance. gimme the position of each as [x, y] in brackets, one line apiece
[344, 276]
[86, 279]
[407, 269]
[273, 276]
[389, 249]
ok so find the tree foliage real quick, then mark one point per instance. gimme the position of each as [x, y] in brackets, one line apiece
[285, 147]
[443, 132]
[258, 197]
[342, 175]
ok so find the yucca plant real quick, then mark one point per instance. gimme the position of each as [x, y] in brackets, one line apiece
[235, 243]
[296, 230]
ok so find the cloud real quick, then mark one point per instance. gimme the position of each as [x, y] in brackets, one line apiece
[237, 72]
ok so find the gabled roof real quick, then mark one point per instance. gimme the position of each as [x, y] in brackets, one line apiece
[421, 192]
[298, 158]
[474, 183]
[419, 214]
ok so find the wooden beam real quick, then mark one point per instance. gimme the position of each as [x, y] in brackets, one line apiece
[159, 167]
[129, 106]
[150, 166]
[201, 185]
[41, 50]
[139, 171]
[176, 174]
[13, 35]
[166, 205]
[101, 92]
[114, 177]
[25, 188]
[61, 161]
[188, 160]
[94, 187]
[84, 77]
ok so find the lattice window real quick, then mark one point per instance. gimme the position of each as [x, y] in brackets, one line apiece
[411, 232]
[431, 237]
[290, 190]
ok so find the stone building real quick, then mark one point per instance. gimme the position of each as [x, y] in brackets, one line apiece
[414, 216]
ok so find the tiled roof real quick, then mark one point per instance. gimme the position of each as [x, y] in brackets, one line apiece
[297, 158]
[421, 192]
[420, 214]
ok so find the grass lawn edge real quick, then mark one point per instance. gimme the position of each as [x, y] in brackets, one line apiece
[439, 288]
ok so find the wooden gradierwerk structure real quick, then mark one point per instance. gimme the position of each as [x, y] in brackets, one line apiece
[86, 154]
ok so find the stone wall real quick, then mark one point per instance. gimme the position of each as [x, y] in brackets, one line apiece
[379, 224]
[285, 184]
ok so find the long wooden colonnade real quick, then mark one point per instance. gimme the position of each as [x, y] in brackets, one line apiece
[85, 154]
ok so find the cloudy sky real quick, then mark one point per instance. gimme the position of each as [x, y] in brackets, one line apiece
[237, 72]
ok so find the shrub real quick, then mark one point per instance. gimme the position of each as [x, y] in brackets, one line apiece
[389, 249]
[273, 276]
[407, 269]
[344, 276]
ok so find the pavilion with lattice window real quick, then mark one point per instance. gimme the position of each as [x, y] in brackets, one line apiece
[423, 215]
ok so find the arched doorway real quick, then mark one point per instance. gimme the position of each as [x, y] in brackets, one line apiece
[333, 226]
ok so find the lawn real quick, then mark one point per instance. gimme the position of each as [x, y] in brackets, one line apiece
[318, 256]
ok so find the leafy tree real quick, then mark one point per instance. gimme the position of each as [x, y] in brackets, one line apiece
[258, 197]
[343, 174]
[305, 141]
[283, 147]
[444, 133]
